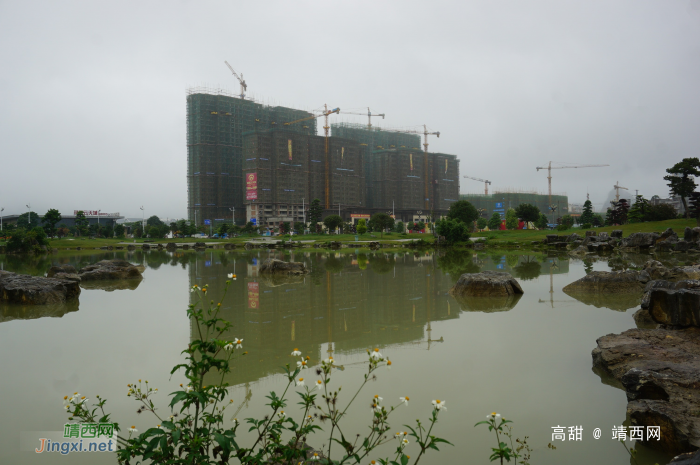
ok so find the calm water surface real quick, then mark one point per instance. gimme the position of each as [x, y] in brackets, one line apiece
[529, 359]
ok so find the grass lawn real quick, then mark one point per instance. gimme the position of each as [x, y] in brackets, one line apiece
[537, 235]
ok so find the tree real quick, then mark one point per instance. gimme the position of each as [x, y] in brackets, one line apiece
[680, 181]
[661, 212]
[299, 227]
[28, 221]
[62, 230]
[452, 230]
[587, 214]
[481, 223]
[361, 226]
[119, 230]
[618, 213]
[50, 220]
[528, 213]
[332, 222]
[511, 219]
[495, 222]
[597, 220]
[399, 228]
[381, 222]
[81, 223]
[27, 241]
[567, 220]
[315, 212]
[464, 211]
[542, 222]
[639, 211]
[154, 221]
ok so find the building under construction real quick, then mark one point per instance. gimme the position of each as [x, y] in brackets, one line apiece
[500, 201]
[216, 121]
[285, 171]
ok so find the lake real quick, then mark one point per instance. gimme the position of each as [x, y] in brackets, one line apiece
[529, 359]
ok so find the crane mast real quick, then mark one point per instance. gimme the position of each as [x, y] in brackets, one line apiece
[244, 86]
[549, 169]
[617, 188]
[369, 116]
[486, 183]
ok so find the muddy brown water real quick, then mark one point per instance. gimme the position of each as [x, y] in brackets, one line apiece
[529, 360]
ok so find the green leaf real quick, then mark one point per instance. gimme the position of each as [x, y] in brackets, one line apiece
[404, 459]
[179, 395]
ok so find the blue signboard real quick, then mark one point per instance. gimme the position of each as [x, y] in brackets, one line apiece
[500, 266]
[207, 222]
[254, 221]
[207, 263]
[499, 204]
[255, 261]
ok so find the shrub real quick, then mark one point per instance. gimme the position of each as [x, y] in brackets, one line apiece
[586, 226]
[562, 227]
[452, 230]
[25, 242]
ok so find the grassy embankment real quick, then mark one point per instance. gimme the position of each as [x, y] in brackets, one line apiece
[524, 236]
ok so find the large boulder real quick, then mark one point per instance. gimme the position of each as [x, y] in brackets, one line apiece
[640, 240]
[272, 265]
[36, 290]
[109, 270]
[656, 270]
[486, 284]
[607, 282]
[660, 371]
[679, 307]
[617, 233]
[668, 235]
[691, 235]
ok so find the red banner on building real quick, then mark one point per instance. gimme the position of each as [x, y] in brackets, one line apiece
[251, 186]
[253, 295]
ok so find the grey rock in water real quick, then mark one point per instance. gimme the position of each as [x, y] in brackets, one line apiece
[607, 282]
[573, 237]
[65, 269]
[272, 265]
[171, 246]
[668, 235]
[641, 240]
[682, 246]
[36, 290]
[660, 371]
[486, 284]
[110, 270]
[643, 320]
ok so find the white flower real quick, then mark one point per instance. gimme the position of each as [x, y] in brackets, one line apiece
[329, 361]
[192, 290]
[377, 408]
[296, 352]
[302, 364]
[228, 346]
[375, 355]
[315, 456]
[319, 384]
[404, 400]
[235, 421]
[281, 414]
[300, 382]
[238, 342]
[388, 364]
[133, 430]
[230, 276]
[401, 434]
[439, 404]
[172, 417]
[378, 399]
[404, 442]
[67, 407]
[189, 388]
[494, 416]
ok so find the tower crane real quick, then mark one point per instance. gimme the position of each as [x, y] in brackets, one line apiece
[425, 133]
[325, 113]
[549, 169]
[244, 86]
[617, 188]
[369, 116]
[486, 183]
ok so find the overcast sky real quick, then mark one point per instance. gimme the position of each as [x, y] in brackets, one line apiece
[92, 94]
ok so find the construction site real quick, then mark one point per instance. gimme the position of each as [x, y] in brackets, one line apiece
[249, 162]
[501, 200]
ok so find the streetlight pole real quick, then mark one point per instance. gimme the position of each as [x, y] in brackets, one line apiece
[29, 213]
[143, 222]
[1, 210]
[233, 217]
[303, 212]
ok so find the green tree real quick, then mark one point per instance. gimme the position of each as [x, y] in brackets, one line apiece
[452, 230]
[154, 221]
[680, 179]
[587, 214]
[464, 211]
[597, 220]
[661, 212]
[481, 223]
[299, 227]
[315, 213]
[23, 241]
[332, 222]
[609, 217]
[81, 223]
[380, 222]
[62, 230]
[542, 222]
[399, 228]
[50, 220]
[639, 211]
[119, 231]
[567, 220]
[528, 213]
[495, 222]
[361, 226]
[511, 219]
[28, 221]
[285, 228]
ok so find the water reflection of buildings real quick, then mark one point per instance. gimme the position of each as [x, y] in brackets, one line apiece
[339, 307]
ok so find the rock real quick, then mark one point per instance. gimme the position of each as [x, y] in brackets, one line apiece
[335, 245]
[272, 265]
[13, 311]
[691, 235]
[617, 233]
[676, 307]
[229, 246]
[200, 245]
[668, 235]
[573, 237]
[66, 269]
[130, 247]
[590, 233]
[600, 247]
[486, 284]
[109, 270]
[603, 236]
[643, 320]
[689, 458]
[660, 372]
[665, 246]
[560, 245]
[171, 246]
[682, 246]
[657, 271]
[552, 238]
[374, 245]
[145, 247]
[487, 304]
[479, 245]
[607, 282]
[579, 251]
[641, 240]
[36, 290]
